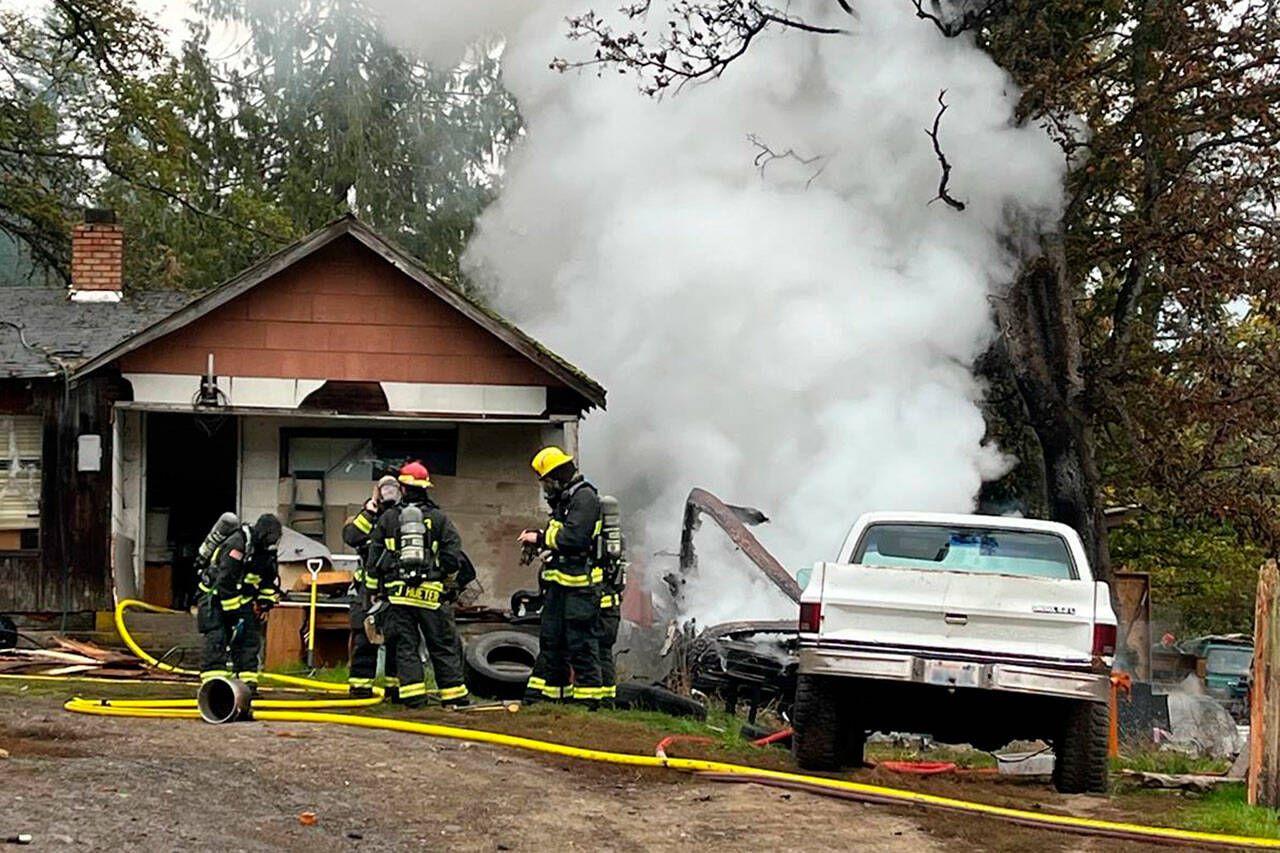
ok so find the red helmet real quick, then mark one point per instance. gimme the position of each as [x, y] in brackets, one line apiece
[415, 474]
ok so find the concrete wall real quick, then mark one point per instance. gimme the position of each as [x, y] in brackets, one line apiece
[493, 496]
[127, 503]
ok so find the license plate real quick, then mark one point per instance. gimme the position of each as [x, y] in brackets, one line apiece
[952, 673]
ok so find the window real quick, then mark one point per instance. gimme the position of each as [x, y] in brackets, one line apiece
[21, 448]
[945, 548]
[367, 454]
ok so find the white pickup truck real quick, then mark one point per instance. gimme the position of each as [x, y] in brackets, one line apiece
[974, 629]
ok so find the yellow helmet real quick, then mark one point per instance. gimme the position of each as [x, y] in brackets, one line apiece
[549, 459]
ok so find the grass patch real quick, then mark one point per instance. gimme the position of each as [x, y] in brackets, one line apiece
[335, 674]
[1225, 809]
[1170, 761]
[965, 758]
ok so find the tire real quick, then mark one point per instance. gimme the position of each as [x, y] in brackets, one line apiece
[821, 740]
[499, 663]
[648, 697]
[1080, 751]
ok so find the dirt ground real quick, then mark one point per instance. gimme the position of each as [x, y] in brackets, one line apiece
[76, 782]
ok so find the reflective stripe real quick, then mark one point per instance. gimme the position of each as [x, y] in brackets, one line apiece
[606, 601]
[610, 692]
[390, 543]
[210, 674]
[392, 681]
[234, 603]
[362, 523]
[360, 682]
[252, 579]
[250, 677]
[425, 595]
[370, 582]
[448, 694]
[566, 579]
[553, 533]
[588, 693]
[599, 527]
[535, 684]
[204, 588]
[597, 575]
[413, 602]
[409, 691]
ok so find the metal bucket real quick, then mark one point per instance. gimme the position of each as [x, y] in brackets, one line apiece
[224, 700]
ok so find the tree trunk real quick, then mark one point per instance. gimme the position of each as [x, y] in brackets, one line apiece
[1042, 339]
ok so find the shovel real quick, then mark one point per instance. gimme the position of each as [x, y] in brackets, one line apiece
[314, 565]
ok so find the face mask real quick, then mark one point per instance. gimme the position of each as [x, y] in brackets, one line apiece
[550, 489]
[389, 494]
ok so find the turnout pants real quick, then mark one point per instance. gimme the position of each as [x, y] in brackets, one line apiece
[568, 640]
[610, 619]
[232, 641]
[363, 667]
[403, 626]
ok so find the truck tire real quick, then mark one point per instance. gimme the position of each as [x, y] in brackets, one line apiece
[499, 663]
[1080, 751]
[821, 740]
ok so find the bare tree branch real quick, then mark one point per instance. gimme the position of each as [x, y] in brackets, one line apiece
[943, 194]
[967, 20]
[766, 155]
[699, 41]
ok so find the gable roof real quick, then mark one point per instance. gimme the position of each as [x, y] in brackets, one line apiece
[52, 331]
[348, 225]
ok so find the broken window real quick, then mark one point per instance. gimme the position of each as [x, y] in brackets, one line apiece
[21, 447]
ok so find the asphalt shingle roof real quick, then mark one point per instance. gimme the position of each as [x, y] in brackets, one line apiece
[62, 331]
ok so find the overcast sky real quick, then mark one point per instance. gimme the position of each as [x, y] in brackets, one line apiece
[169, 14]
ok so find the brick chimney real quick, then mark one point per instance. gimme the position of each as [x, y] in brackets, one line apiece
[97, 258]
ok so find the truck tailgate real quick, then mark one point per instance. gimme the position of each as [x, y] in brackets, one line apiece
[1041, 619]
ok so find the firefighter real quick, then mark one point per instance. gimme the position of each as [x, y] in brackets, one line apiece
[610, 619]
[415, 553]
[570, 628]
[237, 589]
[364, 654]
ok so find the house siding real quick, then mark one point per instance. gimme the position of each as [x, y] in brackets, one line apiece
[344, 314]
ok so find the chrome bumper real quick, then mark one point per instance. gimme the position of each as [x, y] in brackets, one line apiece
[889, 666]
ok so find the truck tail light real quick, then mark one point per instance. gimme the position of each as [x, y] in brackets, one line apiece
[1104, 640]
[810, 616]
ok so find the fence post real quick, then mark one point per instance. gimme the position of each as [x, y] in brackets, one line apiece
[1264, 709]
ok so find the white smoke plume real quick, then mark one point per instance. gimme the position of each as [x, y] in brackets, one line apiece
[798, 337]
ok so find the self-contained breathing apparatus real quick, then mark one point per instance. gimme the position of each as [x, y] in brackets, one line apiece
[222, 528]
[610, 545]
[226, 524]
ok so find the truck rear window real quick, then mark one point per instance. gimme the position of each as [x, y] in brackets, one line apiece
[965, 549]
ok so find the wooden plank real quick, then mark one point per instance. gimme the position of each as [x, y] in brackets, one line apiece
[284, 637]
[1264, 712]
[1133, 593]
[335, 576]
[70, 670]
[50, 655]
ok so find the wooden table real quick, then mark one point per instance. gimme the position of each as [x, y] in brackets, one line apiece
[286, 644]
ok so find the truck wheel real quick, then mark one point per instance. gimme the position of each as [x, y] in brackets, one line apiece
[820, 741]
[1080, 752]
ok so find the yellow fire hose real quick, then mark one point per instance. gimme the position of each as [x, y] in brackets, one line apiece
[285, 711]
[273, 677]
